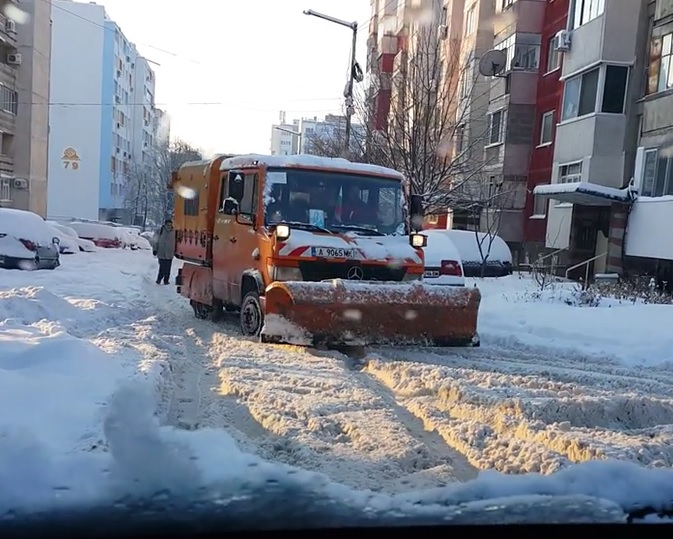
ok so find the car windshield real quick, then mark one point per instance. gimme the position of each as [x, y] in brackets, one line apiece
[336, 201]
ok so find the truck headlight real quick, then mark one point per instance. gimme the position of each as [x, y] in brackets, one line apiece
[418, 241]
[282, 232]
[284, 273]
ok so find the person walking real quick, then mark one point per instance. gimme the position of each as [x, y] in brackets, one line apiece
[164, 250]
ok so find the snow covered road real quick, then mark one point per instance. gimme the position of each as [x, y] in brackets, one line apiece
[393, 420]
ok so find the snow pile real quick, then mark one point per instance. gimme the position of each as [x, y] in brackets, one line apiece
[67, 339]
[514, 311]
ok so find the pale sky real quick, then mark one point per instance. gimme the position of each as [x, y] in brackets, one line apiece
[252, 58]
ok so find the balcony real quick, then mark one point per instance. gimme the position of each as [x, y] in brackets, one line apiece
[7, 32]
[6, 164]
[7, 122]
[8, 76]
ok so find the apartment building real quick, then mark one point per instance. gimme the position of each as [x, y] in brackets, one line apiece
[590, 193]
[102, 114]
[548, 102]
[162, 127]
[324, 136]
[25, 49]
[649, 243]
[285, 136]
[517, 28]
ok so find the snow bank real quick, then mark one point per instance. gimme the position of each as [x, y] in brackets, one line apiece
[66, 343]
[513, 310]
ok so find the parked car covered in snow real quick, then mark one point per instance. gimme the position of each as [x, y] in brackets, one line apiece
[27, 242]
[105, 236]
[67, 245]
[86, 246]
[443, 265]
[481, 252]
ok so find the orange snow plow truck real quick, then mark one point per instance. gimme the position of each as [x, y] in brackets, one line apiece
[312, 251]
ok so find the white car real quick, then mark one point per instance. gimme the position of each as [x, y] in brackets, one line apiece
[443, 265]
[86, 246]
[67, 244]
[27, 242]
[486, 255]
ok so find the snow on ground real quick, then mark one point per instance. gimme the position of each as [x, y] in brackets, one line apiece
[514, 311]
[532, 398]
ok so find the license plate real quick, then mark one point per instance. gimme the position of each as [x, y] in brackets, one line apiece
[431, 274]
[332, 252]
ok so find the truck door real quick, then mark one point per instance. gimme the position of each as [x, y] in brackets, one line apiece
[234, 237]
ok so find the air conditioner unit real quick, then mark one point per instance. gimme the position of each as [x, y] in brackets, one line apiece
[20, 183]
[14, 59]
[10, 26]
[562, 41]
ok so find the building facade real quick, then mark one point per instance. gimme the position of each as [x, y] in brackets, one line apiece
[590, 191]
[102, 113]
[548, 101]
[25, 50]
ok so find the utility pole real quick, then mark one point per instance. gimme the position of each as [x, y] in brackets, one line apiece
[295, 133]
[352, 74]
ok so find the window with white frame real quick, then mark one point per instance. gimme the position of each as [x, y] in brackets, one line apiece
[602, 89]
[584, 11]
[470, 20]
[553, 56]
[657, 174]
[570, 173]
[661, 64]
[540, 206]
[547, 128]
[5, 191]
[495, 127]
[460, 138]
[522, 50]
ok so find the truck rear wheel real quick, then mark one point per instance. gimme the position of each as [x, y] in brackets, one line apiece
[252, 317]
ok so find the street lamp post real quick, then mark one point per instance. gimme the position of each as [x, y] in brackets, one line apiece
[348, 92]
[295, 133]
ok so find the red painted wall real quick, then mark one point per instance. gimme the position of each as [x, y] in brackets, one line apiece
[549, 97]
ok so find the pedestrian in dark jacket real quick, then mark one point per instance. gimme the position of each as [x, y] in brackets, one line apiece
[164, 250]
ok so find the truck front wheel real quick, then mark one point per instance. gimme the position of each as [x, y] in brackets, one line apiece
[252, 317]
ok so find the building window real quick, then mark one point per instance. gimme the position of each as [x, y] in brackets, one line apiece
[5, 190]
[661, 64]
[523, 51]
[553, 56]
[470, 20]
[495, 128]
[579, 97]
[8, 100]
[570, 173]
[460, 138]
[614, 89]
[583, 11]
[432, 219]
[657, 175]
[546, 127]
[539, 206]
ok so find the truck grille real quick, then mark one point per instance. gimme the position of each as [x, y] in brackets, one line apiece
[320, 271]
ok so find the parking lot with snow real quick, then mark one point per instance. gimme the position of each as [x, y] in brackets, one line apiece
[102, 369]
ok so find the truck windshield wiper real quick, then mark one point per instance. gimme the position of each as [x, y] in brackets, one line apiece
[307, 226]
[363, 229]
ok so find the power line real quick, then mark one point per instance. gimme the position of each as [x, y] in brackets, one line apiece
[94, 23]
[225, 104]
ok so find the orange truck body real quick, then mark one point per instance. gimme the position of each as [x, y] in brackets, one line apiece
[315, 285]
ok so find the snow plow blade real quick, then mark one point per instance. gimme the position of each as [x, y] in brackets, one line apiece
[347, 313]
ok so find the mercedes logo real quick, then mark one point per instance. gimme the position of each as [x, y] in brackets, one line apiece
[355, 274]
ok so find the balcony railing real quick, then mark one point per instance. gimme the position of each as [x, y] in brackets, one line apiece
[6, 163]
[7, 36]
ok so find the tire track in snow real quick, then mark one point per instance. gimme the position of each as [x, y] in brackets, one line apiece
[522, 411]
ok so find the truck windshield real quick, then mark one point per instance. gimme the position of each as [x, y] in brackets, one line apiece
[336, 201]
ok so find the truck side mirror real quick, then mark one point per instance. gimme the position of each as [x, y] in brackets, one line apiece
[416, 212]
[230, 206]
[236, 185]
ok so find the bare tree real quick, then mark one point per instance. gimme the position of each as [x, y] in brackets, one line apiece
[485, 200]
[147, 195]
